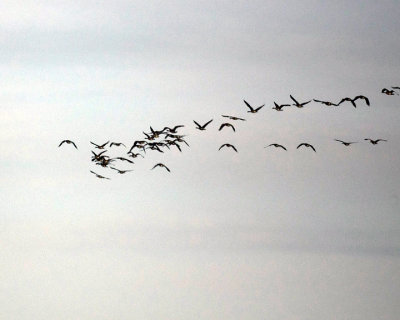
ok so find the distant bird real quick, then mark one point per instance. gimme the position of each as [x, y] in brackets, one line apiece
[202, 127]
[226, 124]
[327, 103]
[375, 141]
[279, 107]
[99, 176]
[345, 143]
[227, 145]
[161, 165]
[99, 146]
[396, 88]
[123, 159]
[388, 92]
[118, 144]
[353, 101]
[276, 146]
[172, 130]
[298, 104]
[134, 155]
[306, 145]
[98, 157]
[68, 142]
[252, 110]
[234, 118]
[120, 171]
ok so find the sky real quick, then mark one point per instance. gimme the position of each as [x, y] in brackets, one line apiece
[262, 233]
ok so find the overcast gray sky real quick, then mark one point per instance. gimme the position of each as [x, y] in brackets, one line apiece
[257, 234]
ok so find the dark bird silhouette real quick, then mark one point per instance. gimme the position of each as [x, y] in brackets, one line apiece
[298, 104]
[252, 110]
[68, 142]
[233, 118]
[353, 101]
[227, 145]
[98, 157]
[345, 143]
[388, 92]
[161, 165]
[120, 171]
[99, 176]
[134, 155]
[226, 125]
[276, 145]
[172, 130]
[138, 144]
[118, 144]
[280, 107]
[202, 127]
[306, 145]
[99, 146]
[375, 141]
[123, 159]
[327, 103]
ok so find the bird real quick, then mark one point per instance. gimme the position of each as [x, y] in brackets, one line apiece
[99, 176]
[172, 130]
[134, 155]
[279, 107]
[375, 141]
[298, 104]
[388, 92]
[226, 125]
[68, 142]
[161, 165]
[120, 171]
[123, 159]
[353, 101]
[98, 157]
[234, 118]
[306, 145]
[202, 127]
[99, 146]
[327, 103]
[345, 143]
[276, 145]
[227, 145]
[252, 110]
[117, 144]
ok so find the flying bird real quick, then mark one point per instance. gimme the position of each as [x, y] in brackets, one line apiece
[276, 145]
[388, 92]
[353, 101]
[375, 141]
[173, 130]
[306, 145]
[345, 143]
[298, 104]
[99, 146]
[234, 118]
[226, 125]
[202, 127]
[227, 145]
[99, 176]
[120, 171]
[327, 103]
[68, 142]
[117, 144]
[123, 159]
[161, 165]
[279, 107]
[252, 110]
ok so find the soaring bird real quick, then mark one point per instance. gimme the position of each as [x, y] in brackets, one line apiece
[252, 110]
[123, 159]
[279, 107]
[234, 118]
[202, 127]
[298, 104]
[68, 142]
[276, 146]
[172, 130]
[388, 92]
[161, 165]
[226, 124]
[353, 101]
[134, 155]
[117, 144]
[327, 103]
[120, 171]
[345, 143]
[227, 145]
[98, 157]
[306, 145]
[99, 146]
[99, 176]
[375, 141]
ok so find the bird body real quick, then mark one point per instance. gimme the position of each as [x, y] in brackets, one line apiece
[99, 176]
[345, 143]
[276, 145]
[233, 118]
[68, 142]
[327, 103]
[99, 146]
[279, 107]
[202, 127]
[306, 145]
[228, 145]
[298, 104]
[161, 165]
[252, 110]
[375, 141]
[226, 124]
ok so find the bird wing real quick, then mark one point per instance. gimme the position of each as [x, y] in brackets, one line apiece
[74, 145]
[94, 144]
[249, 106]
[301, 144]
[295, 101]
[61, 143]
[233, 147]
[207, 123]
[312, 147]
[259, 107]
[197, 124]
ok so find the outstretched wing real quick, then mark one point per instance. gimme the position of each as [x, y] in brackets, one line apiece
[249, 106]
[207, 123]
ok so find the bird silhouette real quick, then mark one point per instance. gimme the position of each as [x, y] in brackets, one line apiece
[99, 146]
[99, 176]
[226, 125]
[306, 145]
[375, 141]
[120, 171]
[280, 107]
[161, 165]
[68, 142]
[327, 103]
[298, 104]
[228, 146]
[233, 118]
[117, 144]
[252, 110]
[202, 127]
[276, 145]
[345, 143]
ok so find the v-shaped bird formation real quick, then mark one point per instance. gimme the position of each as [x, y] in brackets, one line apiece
[162, 140]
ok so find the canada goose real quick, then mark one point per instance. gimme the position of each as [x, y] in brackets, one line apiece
[104, 162]
[327, 103]
[138, 144]
[99, 176]
[118, 144]
[276, 146]
[123, 159]
[389, 92]
[375, 141]
[173, 143]
[233, 118]
[98, 157]
[68, 142]
[252, 110]
[173, 130]
[99, 146]
[202, 127]
[298, 104]
[121, 171]
[279, 107]
[134, 155]
[161, 165]
[353, 101]
[226, 125]
[227, 145]
[345, 143]
[306, 145]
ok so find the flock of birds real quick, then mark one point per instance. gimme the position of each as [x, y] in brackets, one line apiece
[159, 140]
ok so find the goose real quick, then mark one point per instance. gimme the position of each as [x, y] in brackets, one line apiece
[173, 130]
[353, 101]
[68, 142]
[345, 143]
[375, 141]
[306, 145]
[227, 145]
[202, 127]
[276, 145]
[226, 125]
[252, 110]
[298, 104]
[117, 144]
[327, 103]
[161, 165]
[120, 171]
[99, 176]
[99, 146]
[388, 92]
[233, 118]
[279, 107]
